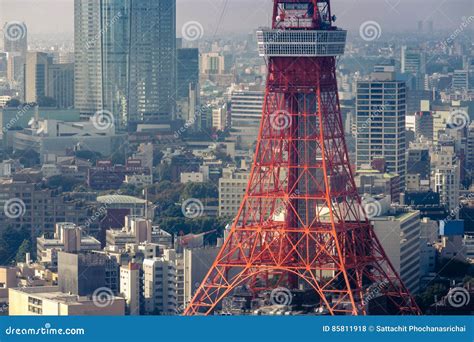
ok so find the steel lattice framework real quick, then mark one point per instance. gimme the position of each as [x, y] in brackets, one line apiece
[301, 220]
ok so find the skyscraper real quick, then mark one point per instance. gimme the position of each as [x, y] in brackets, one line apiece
[61, 84]
[413, 60]
[187, 70]
[447, 175]
[36, 76]
[87, 56]
[126, 59]
[152, 55]
[413, 63]
[380, 117]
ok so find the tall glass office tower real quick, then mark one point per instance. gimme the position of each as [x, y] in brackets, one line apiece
[132, 45]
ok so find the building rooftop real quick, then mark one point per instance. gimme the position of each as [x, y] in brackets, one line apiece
[399, 215]
[120, 199]
[54, 294]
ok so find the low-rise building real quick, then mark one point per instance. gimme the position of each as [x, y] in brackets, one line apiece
[137, 230]
[105, 176]
[68, 237]
[50, 301]
[54, 137]
[8, 280]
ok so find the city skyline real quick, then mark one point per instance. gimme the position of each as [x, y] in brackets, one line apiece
[236, 157]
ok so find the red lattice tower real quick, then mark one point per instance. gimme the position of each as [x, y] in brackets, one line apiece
[301, 222]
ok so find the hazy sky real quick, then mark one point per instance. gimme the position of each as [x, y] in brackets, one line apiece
[56, 16]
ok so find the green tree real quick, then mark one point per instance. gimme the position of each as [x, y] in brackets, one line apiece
[435, 291]
[130, 190]
[224, 157]
[66, 183]
[200, 190]
[13, 103]
[24, 248]
[10, 241]
[163, 172]
[28, 158]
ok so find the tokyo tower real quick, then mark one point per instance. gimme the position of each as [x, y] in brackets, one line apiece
[301, 223]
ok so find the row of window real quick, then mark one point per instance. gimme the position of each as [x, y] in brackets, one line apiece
[301, 36]
[308, 49]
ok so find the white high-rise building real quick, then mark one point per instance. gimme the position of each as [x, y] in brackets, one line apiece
[380, 119]
[219, 117]
[447, 182]
[447, 177]
[232, 186]
[160, 284]
[246, 113]
[399, 234]
[130, 287]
